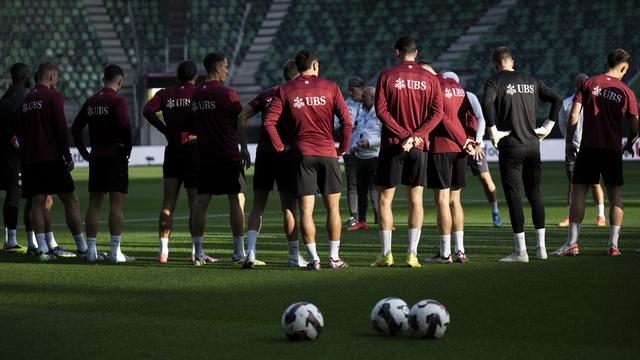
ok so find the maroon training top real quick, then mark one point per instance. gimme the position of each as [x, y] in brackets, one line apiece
[408, 103]
[107, 115]
[310, 103]
[215, 110]
[43, 127]
[261, 104]
[606, 102]
[458, 122]
[175, 104]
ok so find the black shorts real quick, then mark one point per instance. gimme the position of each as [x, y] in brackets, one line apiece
[396, 166]
[478, 166]
[446, 170]
[10, 171]
[181, 162]
[221, 178]
[593, 162]
[107, 174]
[317, 173]
[270, 168]
[50, 177]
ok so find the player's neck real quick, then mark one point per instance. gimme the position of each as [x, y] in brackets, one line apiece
[614, 73]
[112, 87]
[46, 84]
[309, 73]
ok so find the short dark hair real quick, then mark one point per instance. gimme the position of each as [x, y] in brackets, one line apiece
[44, 69]
[112, 73]
[19, 72]
[289, 70]
[304, 59]
[187, 70]
[355, 82]
[211, 61]
[405, 45]
[500, 53]
[617, 57]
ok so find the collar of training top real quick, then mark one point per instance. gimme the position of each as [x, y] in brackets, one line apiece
[212, 82]
[306, 77]
[107, 90]
[41, 86]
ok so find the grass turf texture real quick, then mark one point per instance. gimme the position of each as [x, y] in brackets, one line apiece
[583, 307]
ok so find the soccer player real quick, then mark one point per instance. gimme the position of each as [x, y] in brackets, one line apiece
[106, 115]
[606, 101]
[271, 167]
[310, 103]
[563, 123]
[47, 159]
[409, 105]
[220, 169]
[9, 153]
[450, 142]
[180, 156]
[365, 145]
[509, 104]
[354, 104]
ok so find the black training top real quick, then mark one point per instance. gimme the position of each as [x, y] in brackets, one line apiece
[509, 103]
[10, 106]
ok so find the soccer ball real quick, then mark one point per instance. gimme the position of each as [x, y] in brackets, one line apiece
[302, 321]
[389, 316]
[428, 319]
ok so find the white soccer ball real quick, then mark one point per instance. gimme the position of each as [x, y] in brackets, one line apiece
[389, 317]
[302, 321]
[428, 319]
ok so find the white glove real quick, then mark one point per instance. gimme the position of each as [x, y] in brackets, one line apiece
[545, 129]
[497, 135]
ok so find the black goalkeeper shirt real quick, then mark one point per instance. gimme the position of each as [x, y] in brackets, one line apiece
[509, 103]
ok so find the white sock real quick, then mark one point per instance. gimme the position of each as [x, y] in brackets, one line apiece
[540, 236]
[31, 240]
[193, 248]
[91, 246]
[494, 207]
[42, 243]
[11, 237]
[164, 246]
[238, 246]
[293, 250]
[385, 241]
[313, 254]
[414, 240]
[5, 235]
[614, 234]
[574, 233]
[458, 238]
[521, 246]
[252, 238]
[81, 245]
[51, 240]
[334, 249]
[600, 210]
[196, 243]
[115, 245]
[445, 246]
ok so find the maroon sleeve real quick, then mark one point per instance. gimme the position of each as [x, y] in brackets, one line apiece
[632, 108]
[578, 97]
[434, 113]
[271, 118]
[255, 103]
[122, 119]
[340, 108]
[236, 107]
[60, 126]
[383, 113]
[151, 108]
[471, 121]
[79, 124]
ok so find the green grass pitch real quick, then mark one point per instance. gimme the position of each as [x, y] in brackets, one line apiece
[584, 307]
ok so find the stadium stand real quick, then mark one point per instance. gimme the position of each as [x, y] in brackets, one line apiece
[573, 37]
[55, 30]
[356, 37]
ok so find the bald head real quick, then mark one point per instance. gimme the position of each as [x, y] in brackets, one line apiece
[580, 78]
[368, 95]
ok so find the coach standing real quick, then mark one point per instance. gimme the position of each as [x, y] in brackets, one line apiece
[509, 105]
[311, 102]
